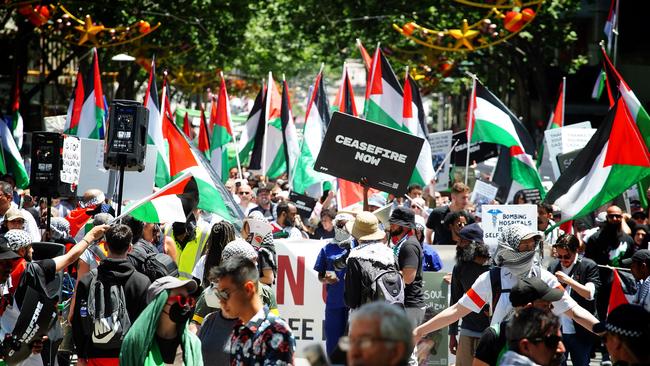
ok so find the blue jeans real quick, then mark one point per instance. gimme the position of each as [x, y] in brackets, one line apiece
[578, 348]
[336, 321]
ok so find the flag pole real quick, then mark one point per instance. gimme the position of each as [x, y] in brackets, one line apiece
[266, 117]
[615, 31]
[234, 137]
[563, 100]
[470, 123]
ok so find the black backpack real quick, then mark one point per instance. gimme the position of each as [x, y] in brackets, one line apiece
[106, 320]
[386, 285]
[152, 264]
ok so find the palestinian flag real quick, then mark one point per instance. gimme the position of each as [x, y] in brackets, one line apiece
[90, 122]
[187, 126]
[289, 132]
[367, 60]
[17, 125]
[213, 196]
[10, 160]
[345, 97]
[154, 129]
[305, 179]
[249, 134]
[638, 113]
[495, 123]
[222, 135]
[204, 140]
[413, 119]
[611, 25]
[269, 157]
[172, 203]
[75, 105]
[623, 290]
[556, 120]
[613, 160]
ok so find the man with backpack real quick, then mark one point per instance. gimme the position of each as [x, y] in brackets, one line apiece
[372, 269]
[144, 255]
[108, 301]
[514, 260]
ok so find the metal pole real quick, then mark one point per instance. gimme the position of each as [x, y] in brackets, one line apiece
[120, 189]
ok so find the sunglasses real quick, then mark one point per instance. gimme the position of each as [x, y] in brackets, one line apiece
[243, 193]
[223, 295]
[614, 216]
[550, 341]
[182, 301]
[565, 257]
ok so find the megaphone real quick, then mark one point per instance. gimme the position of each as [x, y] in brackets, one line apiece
[383, 213]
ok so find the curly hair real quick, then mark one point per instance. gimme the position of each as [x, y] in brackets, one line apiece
[221, 234]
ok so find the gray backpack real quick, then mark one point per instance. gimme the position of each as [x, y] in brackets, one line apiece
[108, 320]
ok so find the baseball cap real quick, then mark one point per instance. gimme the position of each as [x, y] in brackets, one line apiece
[403, 216]
[629, 320]
[5, 252]
[530, 289]
[642, 256]
[169, 283]
[13, 214]
[472, 232]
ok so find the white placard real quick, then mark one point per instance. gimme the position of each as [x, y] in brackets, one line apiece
[137, 185]
[440, 145]
[71, 166]
[566, 139]
[483, 193]
[495, 218]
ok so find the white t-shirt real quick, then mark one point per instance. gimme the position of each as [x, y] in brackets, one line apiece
[481, 294]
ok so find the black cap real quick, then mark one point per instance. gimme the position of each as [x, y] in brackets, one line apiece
[472, 232]
[403, 216]
[5, 252]
[530, 289]
[642, 256]
[628, 320]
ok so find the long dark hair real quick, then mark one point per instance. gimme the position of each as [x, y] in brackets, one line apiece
[221, 234]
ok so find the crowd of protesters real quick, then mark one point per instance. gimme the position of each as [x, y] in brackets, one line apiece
[203, 291]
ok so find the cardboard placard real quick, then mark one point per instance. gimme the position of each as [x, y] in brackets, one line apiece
[483, 193]
[478, 151]
[304, 204]
[71, 167]
[433, 349]
[497, 217]
[566, 139]
[440, 145]
[564, 160]
[354, 148]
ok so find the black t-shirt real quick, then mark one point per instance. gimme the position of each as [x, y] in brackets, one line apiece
[168, 348]
[410, 255]
[321, 233]
[491, 344]
[40, 276]
[436, 222]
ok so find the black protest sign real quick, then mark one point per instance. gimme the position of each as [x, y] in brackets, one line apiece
[304, 204]
[531, 195]
[564, 160]
[478, 151]
[354, 148]
[36, 315]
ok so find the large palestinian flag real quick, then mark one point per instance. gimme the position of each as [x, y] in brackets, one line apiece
[16, 126]
[89, 123]
[154, 129]
[289, 132]
[268, 158]
[385, 105]
[613, 160]
[305, 178]
[495, 123]
[413, 119]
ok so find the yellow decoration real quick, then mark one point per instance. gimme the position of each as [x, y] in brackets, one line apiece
[463, 36]
[88, 31]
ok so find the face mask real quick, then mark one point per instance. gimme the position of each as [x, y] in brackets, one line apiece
[211, 298]
[180, 314]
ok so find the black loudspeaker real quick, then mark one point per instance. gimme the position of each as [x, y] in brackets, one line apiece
[47, 160]
[126, 140]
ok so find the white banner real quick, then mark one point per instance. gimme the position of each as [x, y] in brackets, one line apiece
[566, 139]
[300, 296]
[496, 217]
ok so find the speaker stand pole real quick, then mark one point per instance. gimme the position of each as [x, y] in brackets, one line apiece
[119, 191]
[48, 219]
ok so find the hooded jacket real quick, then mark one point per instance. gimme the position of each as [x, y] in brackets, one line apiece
[363, 261]
[110, 271]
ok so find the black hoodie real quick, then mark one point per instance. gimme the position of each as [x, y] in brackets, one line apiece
[110, 271]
